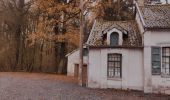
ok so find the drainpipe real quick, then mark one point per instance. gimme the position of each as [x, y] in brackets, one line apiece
[144, 28]
[140, 14]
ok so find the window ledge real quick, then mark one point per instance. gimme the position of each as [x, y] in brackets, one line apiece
[165, 76]
[156, 74]
[115, 79]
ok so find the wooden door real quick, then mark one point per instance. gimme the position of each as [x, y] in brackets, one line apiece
[76, 70]
[84, 73]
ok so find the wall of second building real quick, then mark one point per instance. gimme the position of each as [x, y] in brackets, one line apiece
[132, 69]
[73, 59]
[155, 83]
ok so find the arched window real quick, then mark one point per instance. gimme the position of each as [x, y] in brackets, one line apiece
[114, 39]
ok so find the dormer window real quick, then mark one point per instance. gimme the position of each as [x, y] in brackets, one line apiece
[114, 39]
[113, 36]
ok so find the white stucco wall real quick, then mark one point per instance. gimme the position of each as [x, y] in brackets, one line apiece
[132, 69]
[155, 83]
[73, 59]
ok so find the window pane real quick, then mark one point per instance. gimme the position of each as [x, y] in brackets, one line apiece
[156, 64]
[114, 65]
[167, 52]
[156, 71]
[85, 52]
[114, 38]
[156, 61]
[155, 50]
[156, 57]
[163, 52]
[166, 61]
[111, 64]
[163, 65]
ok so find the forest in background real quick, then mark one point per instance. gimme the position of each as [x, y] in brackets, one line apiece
[35, 36]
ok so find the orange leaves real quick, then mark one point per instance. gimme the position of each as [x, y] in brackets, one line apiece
[52, 13]
[71, 37]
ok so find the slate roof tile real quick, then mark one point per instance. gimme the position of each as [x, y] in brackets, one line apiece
[134, 38]
[156, 16]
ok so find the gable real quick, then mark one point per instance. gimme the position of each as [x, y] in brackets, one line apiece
[115, 28]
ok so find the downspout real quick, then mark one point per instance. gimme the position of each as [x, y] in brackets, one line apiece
[142, 20]
[88, 49]
[140, 14]
[144, 31]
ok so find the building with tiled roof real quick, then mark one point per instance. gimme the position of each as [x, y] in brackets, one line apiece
[131, 34]
[133, 54]
[156, 16]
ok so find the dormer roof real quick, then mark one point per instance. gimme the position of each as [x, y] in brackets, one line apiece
[118, 27]
[133, 39]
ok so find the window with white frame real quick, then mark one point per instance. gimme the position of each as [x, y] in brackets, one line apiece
[166, 60]
[160, 60]
[114, 65]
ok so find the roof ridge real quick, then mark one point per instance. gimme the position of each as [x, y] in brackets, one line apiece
[156, 5]
[103, 20]
[99, 20]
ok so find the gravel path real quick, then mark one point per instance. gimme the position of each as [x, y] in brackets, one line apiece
[35, 86]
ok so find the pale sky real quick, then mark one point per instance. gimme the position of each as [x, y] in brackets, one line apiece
[164, 1]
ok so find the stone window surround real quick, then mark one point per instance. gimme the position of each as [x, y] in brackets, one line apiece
[120, 40]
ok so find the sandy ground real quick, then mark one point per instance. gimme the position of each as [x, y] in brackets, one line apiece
[37, 86]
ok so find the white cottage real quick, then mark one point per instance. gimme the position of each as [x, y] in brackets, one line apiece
[129, 54]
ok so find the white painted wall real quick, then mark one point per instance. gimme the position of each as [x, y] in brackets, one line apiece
[154, 38]
[73, 59]
[155, 83]
[132, 69]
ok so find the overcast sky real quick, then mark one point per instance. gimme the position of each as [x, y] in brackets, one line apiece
[164, 1]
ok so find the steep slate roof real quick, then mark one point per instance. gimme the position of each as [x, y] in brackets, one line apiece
[156, 16]
[133, 39]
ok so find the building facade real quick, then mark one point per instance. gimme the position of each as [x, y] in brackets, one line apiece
[130, 54]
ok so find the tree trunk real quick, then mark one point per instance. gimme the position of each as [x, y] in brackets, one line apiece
[81, 43]
[62, 59]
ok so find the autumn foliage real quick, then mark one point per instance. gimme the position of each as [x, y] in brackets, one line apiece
[36, 35]
[57, 21]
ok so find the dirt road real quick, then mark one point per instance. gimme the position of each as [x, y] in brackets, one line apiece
[36, 86]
